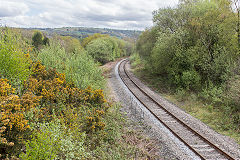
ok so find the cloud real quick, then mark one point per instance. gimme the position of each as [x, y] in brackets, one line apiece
[11, 9]
[122, 14]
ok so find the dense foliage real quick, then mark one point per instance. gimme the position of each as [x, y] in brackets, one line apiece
[104, 48]
[38, 40]
[14, 59]
[52, 101]
[78, 65]
[194, 47]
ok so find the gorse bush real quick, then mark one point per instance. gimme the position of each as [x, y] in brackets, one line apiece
[47, 96]
[52, 103]
[53, 89]
[28, 117]
[14, 125]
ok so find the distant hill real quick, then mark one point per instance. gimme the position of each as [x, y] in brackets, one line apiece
[82, 32]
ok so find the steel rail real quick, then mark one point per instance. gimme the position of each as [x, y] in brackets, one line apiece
[180, 121]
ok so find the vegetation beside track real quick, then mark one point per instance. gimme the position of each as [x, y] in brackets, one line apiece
[192, 51]
[53, 102]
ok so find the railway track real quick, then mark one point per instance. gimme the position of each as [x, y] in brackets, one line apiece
[200, 145]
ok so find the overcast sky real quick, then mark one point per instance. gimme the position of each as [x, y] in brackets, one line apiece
[119, 14]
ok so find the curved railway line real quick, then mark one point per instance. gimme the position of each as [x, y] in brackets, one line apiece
[196, 142]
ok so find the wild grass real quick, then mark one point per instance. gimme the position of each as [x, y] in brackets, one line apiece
[218, 118]
[123, 142]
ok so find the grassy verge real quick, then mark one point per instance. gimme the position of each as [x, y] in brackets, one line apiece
[212, 116]
[122, 141]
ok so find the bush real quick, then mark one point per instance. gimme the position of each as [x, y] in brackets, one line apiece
[101, 49]
[190, 45]
[43, 145]
[14, 125]
[191, 79]
[213, 94]
[106, 49]
[135, 59]
[54, 141]
[37, 39]
[79, 111]
[90, 38]
[14, 57]
[78, 67]
[83, 71]
[233, 93]
[69, 43]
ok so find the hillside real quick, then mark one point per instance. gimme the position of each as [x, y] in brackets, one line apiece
[82, 32]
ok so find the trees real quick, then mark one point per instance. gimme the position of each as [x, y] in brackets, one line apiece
[69, 43]
[38, 40]
[194, 42]
[91, 38]
[105, 48]
[146, 42]
[101, 50]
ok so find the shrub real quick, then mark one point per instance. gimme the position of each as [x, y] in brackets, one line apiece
[53, 56]
[54, 141]
[101, 49]
[191, 79]
[12, 119]
[69, 43]
[106, 49]
[189, 42]
[212, 93]
[43, 145]
[14, 57]
[37, 39]
[233, 93]
[78, 67]
[57, 96]
[83, 71]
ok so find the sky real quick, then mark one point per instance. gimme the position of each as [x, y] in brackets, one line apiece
[117, 14]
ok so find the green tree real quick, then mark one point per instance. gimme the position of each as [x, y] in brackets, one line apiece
[146, 42]
[69, 43]
[101, 49]
[90, 38]
[195, 42]
[46, 41]
[37, 39]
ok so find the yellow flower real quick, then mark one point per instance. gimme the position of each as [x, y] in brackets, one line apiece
[11, 144]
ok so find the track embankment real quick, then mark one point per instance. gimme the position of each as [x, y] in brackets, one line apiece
[183, 134]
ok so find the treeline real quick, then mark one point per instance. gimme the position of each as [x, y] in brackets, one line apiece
[51, 96]
[194, 48]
